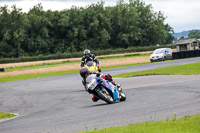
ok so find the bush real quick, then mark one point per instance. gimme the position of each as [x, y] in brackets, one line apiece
[80, 54]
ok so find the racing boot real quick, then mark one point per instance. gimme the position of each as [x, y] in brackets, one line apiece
[94, 99]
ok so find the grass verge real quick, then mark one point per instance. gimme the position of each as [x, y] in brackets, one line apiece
[30, 76]
[189, 124]
[6, 115]
[187, 69]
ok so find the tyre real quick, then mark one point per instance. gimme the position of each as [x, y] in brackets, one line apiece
[123, 96]
[164, 58]
[105, 96]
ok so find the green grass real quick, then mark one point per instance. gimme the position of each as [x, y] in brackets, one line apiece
[187, 69]
[189, 124]
[6, 115]
[30, 76]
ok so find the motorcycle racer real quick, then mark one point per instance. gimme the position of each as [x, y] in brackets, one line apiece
[88, 57]
[84, 72]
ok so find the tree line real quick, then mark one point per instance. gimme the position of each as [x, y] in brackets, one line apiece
[194, 34]
[96, 26]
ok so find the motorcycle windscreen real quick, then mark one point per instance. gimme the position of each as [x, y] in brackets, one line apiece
[90, 63]
[91, 82]
[91, 66]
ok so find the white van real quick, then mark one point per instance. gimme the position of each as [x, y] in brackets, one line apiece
[161, 54]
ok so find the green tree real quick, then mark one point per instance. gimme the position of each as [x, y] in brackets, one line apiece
[38, 31]
[96, 26]
[194, 34]
[169, 30]
[151, 24]
[13, 30]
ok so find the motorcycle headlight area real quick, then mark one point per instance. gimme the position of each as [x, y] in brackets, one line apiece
[92, 84]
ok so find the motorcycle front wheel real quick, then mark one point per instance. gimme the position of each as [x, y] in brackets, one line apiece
[123, 96]
[105, 96]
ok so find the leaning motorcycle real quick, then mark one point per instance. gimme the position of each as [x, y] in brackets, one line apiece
[104, 90]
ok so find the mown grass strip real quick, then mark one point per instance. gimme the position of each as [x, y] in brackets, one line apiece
[30, 76]
[187, 69]
[188, 124]
[6, 115]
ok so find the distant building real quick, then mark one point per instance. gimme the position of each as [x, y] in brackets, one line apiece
[188, 44]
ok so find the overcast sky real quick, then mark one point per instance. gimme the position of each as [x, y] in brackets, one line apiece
[181, 15]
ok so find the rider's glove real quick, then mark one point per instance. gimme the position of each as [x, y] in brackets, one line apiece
[98, 74]
[99, 68]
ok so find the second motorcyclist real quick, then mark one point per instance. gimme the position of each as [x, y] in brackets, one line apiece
[89, 57]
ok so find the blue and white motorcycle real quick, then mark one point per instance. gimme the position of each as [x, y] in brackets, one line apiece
[104, 90]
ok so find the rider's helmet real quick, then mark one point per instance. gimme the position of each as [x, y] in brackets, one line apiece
[84, 72]
[87, 52]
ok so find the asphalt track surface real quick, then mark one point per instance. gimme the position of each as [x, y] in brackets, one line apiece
[59, 104]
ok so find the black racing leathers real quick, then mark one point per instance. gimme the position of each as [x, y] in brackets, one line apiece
[85, 59]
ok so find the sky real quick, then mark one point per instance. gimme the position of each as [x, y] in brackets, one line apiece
[182, 15]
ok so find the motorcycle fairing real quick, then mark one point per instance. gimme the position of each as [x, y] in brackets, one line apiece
[112, 88]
